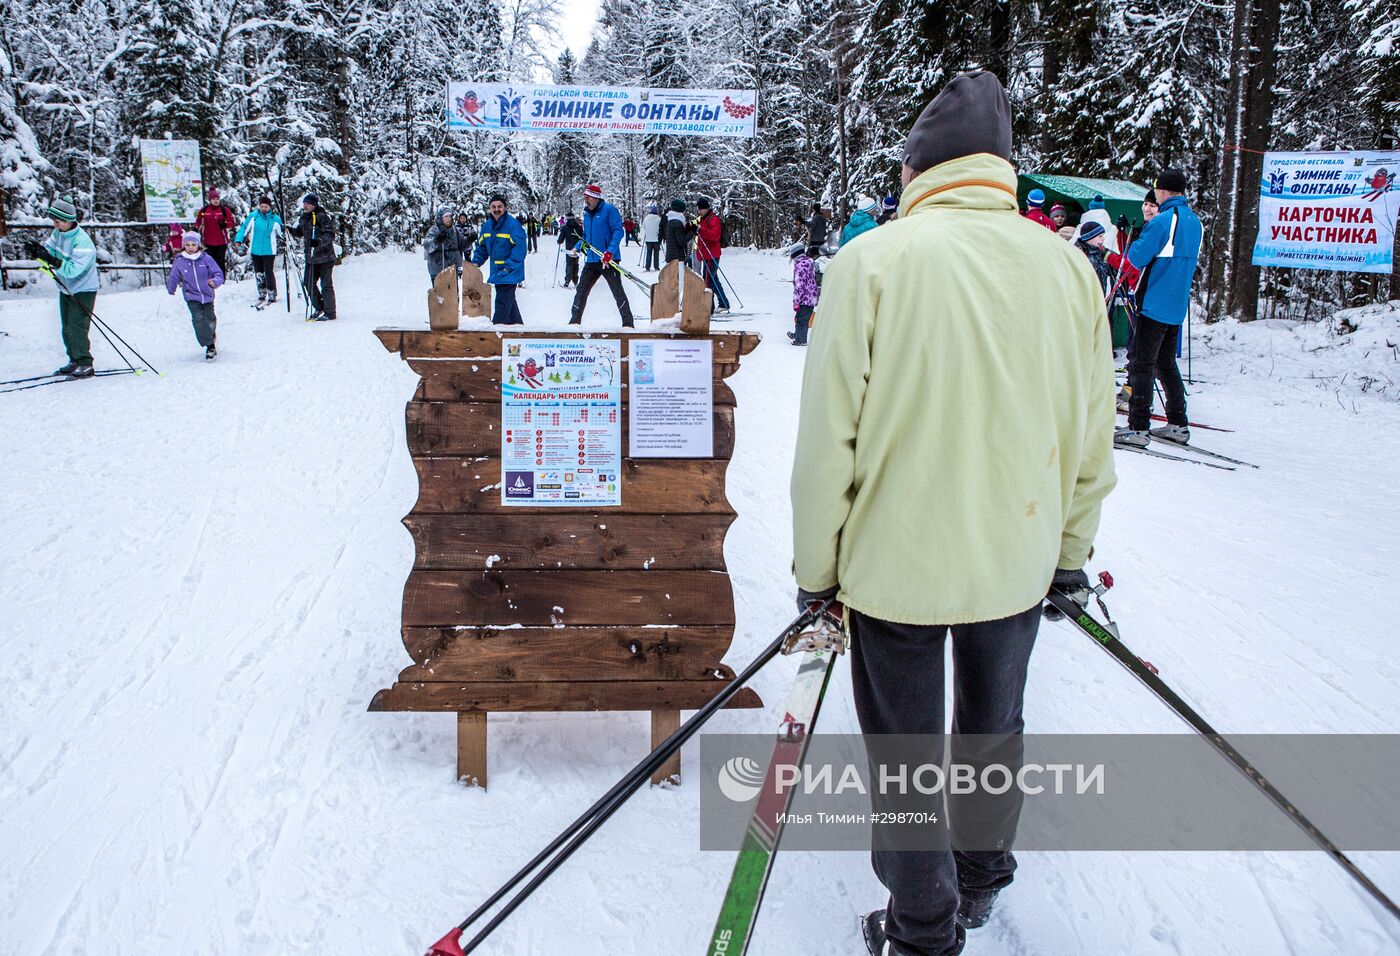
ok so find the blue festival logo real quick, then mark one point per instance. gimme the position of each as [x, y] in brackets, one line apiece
[1277, 182]
[510, 109]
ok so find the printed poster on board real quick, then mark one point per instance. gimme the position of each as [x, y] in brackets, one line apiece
[561, 423]
[671, 403]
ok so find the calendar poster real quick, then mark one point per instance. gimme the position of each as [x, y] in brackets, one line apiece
[561, 424]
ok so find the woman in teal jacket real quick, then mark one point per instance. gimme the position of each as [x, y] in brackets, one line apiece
[503, 242]
[261, 229]
[862, 220]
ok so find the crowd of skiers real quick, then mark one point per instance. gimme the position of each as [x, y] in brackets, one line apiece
[199, 264]
[590, 245]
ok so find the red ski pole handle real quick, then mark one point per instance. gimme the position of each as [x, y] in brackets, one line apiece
[1106, 580]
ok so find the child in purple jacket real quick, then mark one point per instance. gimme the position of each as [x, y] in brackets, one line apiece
[196, 274]
[804, 289]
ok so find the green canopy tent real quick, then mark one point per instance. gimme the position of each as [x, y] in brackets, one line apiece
[1120, 198]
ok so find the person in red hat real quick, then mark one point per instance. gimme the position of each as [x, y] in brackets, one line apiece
[213, 223]
[602, 236]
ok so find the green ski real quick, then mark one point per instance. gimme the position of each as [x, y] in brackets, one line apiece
[737, 914]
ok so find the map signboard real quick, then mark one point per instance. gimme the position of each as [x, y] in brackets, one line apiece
[171, 180]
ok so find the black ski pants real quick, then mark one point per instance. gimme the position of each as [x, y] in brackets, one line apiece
[898, 680]
[320, 288]
[265, 274]
[220, 255]
[653, 257]
[1153, 356]
[592, 272]
[204, 321]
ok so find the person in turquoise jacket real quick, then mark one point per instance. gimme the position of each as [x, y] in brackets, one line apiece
[502, 241]
[72, 261]
[862, 220]
[1166, 252]
[261, 229]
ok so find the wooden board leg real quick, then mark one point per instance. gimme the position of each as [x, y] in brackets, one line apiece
[663, 724]
[471, 749]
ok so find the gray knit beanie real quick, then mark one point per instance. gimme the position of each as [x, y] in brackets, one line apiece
[970, 115]
[63, 209]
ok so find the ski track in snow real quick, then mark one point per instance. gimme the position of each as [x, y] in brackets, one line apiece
[202, 584]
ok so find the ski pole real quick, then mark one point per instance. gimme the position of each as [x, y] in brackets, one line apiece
[555, 276]
[1073, 606]
[645, 287]
[719, 273]
[595, 816]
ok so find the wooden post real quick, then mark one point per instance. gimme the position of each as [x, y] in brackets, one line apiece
[696, 305]
[666, 292]
[471, 748]
[476, 293]
[664, 723]
[443, 300]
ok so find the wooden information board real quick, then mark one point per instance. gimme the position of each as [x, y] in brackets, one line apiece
[557, 609]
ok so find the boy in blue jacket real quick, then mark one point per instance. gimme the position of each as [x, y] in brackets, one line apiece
[502, 241]
[1166, 253]
[261, 229]
[197, 275]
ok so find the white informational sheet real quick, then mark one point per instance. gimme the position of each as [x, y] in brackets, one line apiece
[561, 428]
[671, 409]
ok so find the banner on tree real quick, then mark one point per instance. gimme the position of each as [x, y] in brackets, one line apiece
[600, 109]
[1328, 211]
[171, 180]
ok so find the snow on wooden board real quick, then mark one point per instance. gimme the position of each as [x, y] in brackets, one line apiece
[201, 591]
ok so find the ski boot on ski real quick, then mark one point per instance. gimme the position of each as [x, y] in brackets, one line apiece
[1176, 434]
[1131, 438]
[872, 928]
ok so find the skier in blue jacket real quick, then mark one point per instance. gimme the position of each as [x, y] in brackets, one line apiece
[502, 240]
[261, 229]
[72, 262]
[1166, 252]
[602, 238]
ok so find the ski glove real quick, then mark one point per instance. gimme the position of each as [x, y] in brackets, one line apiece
[37, 251]
[1068, 581]
[607, 259]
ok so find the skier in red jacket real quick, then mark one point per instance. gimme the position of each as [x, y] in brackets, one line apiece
[709, 245]
[1035, 209]
[214, 223]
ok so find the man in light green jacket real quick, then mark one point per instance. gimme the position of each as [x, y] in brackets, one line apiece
[954, 448]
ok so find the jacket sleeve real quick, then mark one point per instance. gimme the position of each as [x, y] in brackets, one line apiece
[172, 281]
[215, 272]
[243, 229]
[1152, 241]
[614, 234]
[516, 259]
[480, 252]
[1096, 477]
[80, 260]
[833, 392]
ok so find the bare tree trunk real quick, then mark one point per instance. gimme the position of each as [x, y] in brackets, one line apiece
[1222, 227]
[1257, 125]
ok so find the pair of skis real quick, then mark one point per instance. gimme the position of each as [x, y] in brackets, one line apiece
[38, 381]
[1229, 464]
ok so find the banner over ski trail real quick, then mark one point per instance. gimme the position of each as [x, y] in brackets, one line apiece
[600, 109]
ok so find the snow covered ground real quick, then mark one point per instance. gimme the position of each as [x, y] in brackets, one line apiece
[201, 584]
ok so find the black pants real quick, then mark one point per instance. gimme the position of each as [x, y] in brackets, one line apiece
[897, 675]
[532, 243]
[319, 287]
[570, 270]
[265, 274]
[1153, 356]
[220, 255]
[592, 272]
[653, 256]
[506, 311]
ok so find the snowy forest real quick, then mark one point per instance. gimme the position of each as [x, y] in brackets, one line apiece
[347, 99]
